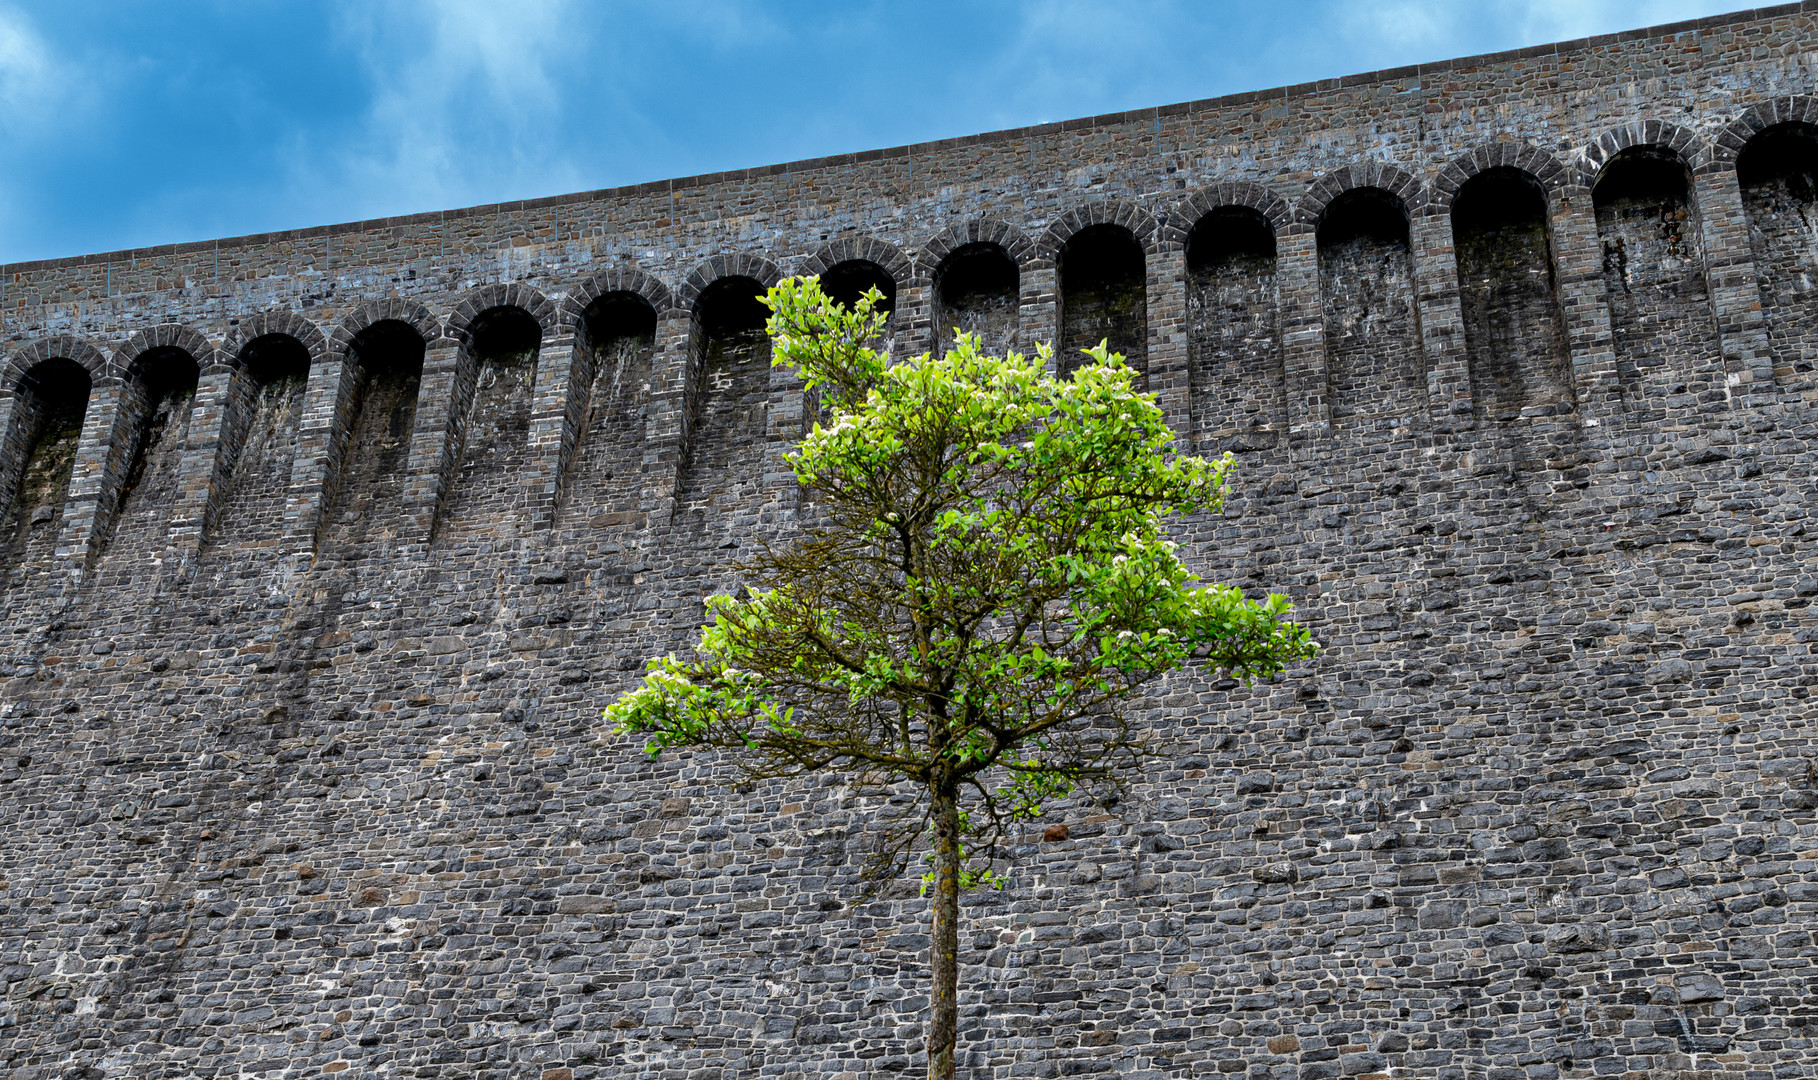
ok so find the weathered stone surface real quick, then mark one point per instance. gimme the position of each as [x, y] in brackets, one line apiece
[322, 550]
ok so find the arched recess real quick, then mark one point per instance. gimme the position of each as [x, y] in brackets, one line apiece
[271, 355]
[1774, 147]
[614, 316]
[1101, 251]
[1663, 329]
[1374, 367]
[1233, 313]
[48, 382]
[977, 269]
[730, 405]
[1514, 324]
[501, 327]
[850, 265]
[385, 342]
[158, 370]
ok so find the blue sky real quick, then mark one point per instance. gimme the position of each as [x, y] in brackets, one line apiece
[126, 124]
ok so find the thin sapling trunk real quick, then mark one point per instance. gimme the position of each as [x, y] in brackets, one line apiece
[943, 944]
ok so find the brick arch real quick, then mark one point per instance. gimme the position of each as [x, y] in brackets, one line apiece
[1660, 134]
[864, 249]
[516, 294]
[1368, 174]
[277, 322]
[620, 279]
[56, 347]
[740, 264]
[409, 312]
[984, 230]
[163, 336]
[1188, 213]
[1122, 212]
[1728, 144]
[1546, 170]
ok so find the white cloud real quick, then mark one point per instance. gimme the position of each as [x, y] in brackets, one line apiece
[31, 80]
[725, 25]
[465, 103]
[1563, 20]
[1399, 23]
[1444, 27]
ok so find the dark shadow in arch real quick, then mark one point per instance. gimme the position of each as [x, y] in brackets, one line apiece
[847, 281]
[1515, 336]
[1363, 214]
[1660, 315]
[269, 396]
[368, 506]
[618, 331]
[1234, 331]
[158, 392]
[725, 461]
[487, 497]
[1778, 173]
[1103, 296]
[1374, 365]
[976, 290]
[51, 403]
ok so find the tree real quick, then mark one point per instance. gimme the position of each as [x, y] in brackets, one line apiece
[980, 585]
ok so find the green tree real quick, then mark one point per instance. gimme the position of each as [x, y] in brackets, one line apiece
[980, 585]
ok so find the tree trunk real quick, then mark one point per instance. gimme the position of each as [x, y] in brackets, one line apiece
[943, 947]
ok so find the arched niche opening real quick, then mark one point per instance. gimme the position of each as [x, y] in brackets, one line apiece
[1778, 171]
[502, 343]
[275, 374]
[50, 404]
[1103, 296]
[159, 390]
[388, 359]
[1660, 315]
[1515, 337]
[1366, 283]
[1234, 330]
[731, 400]
[976, 290]
[847, 281]
[619, 331]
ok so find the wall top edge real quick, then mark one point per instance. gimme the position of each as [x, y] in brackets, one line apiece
[1006, 135]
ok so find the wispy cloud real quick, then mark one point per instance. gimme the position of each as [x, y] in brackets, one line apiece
[1560, 20]
[32, 79]
[464, 104]
[1444, 28]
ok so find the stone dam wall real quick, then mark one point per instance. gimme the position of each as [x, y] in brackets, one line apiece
[322, 550]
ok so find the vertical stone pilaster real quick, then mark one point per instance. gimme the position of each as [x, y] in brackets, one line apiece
[672, 379]
[912, 323]
[1584, 303]
[322, 430]
[94, 485]
[559, 400]
[443, 396]
[1441, 322]
[15, 444]
[1038, 306]
[785, 419]
[1303, 336]
[1734, 287]
[217, 425]
[1169, 375]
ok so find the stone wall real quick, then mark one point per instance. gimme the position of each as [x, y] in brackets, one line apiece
[323, 549]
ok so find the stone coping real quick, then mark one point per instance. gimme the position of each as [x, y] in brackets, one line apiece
[866, 156]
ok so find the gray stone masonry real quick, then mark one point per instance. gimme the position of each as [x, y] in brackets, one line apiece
[301, 766]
